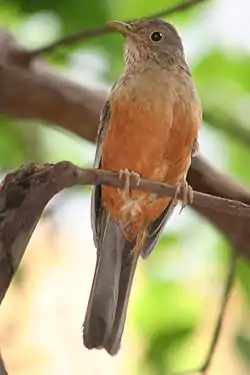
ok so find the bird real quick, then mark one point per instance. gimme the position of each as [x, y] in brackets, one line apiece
[148, 128]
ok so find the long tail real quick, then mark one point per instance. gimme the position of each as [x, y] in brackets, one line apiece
[129, 264]
[111, 287]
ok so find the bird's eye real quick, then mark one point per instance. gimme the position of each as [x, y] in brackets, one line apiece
[156, 36]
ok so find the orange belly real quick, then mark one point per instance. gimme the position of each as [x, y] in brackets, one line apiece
[153, 141]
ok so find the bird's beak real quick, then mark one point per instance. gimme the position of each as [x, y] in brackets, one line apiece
[122, 27]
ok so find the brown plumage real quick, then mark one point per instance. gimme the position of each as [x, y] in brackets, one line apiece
[149, 125]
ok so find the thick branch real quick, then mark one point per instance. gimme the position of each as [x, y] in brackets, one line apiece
[41, 95]
[203, 177]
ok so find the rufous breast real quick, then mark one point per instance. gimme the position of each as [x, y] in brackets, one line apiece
[151, 131]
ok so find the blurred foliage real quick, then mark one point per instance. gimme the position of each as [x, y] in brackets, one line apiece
[72, 18]
[243, 345]
[165, 322]
[168, 311]
[244, 278]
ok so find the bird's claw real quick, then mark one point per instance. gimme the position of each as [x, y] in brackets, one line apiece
[126, 175]
[187, 194]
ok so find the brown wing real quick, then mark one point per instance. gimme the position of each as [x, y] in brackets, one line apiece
[96, 204]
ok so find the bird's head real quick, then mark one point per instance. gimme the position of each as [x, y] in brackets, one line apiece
[151, 39]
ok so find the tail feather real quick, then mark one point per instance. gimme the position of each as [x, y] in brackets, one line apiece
[115, 268]
[126, 279]
[102, 303]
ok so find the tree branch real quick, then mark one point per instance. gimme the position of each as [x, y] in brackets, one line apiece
[203, 177]
[85, 34]
[30, 94]
[25, 193]
[219, 324]
[231, 127]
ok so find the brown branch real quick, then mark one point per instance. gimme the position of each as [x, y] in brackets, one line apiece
[230, 126]
[39, 94]
[25, 193]
[203, 177]
[85, 34]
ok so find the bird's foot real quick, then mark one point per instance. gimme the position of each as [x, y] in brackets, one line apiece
[125, 174]
[187, 194]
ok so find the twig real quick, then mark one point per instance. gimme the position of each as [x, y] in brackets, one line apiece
[222, 312]
[203, 370]
[84, 34]
[176, 9]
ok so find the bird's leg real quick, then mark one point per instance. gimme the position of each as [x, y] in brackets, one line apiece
[126, 175]
[187, 194]
[130, 204]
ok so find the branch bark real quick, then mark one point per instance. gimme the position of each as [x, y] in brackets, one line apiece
[38, 94]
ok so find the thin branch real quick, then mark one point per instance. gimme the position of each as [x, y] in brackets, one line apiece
[81, 35]
[222, 313]
[80, 176]
[203, 370]
[176, 9]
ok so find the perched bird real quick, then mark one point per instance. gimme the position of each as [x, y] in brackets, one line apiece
[149, 127]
